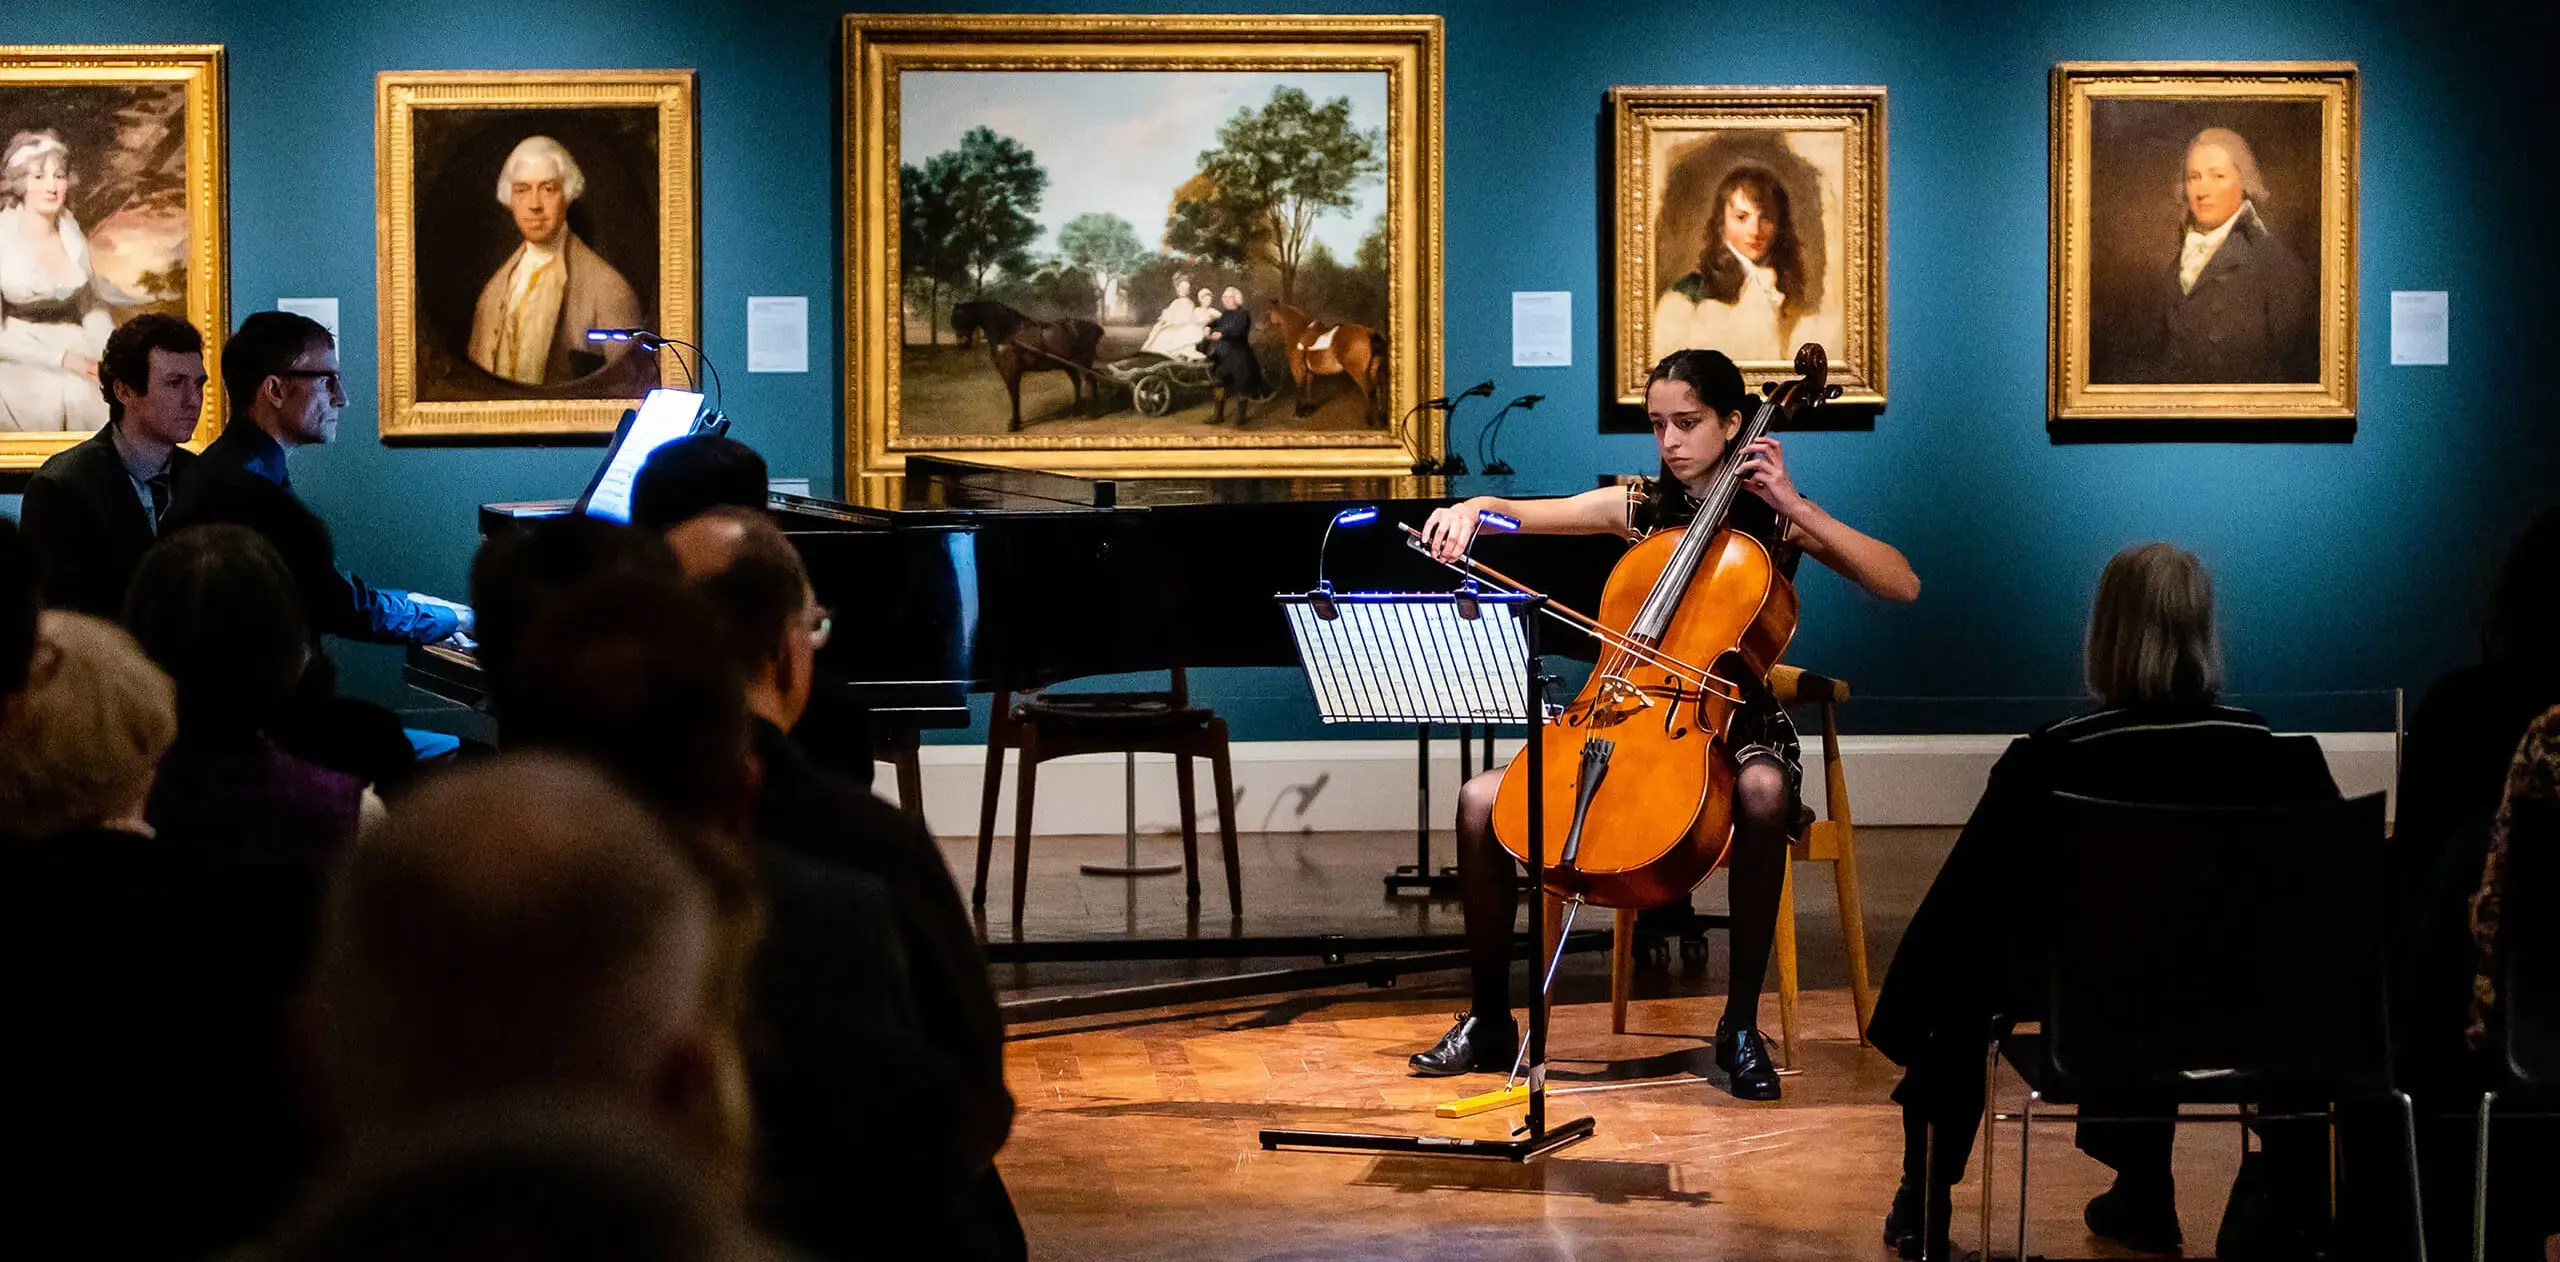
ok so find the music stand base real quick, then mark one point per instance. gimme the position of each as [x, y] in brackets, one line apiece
[1409, 879]
[1521, 1149]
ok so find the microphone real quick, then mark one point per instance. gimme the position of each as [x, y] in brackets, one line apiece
[1457, 464]
[1489, 439]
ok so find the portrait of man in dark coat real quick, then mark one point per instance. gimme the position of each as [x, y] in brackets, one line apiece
[2226, 293]
[2235, 304]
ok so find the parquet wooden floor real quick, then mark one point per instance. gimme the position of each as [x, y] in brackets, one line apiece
[1137, 1133]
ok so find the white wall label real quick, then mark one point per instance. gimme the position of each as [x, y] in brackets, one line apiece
[2421, 326]
[1541, 329]
[324, 310]
[778, 334]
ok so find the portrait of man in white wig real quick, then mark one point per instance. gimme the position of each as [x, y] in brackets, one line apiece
[530, 325]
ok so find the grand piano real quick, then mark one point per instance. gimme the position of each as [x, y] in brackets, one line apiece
[974, 578]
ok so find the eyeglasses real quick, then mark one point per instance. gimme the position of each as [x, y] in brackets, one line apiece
[313, 374]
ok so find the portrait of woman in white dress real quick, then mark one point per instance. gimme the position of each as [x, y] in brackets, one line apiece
[54, 313]
[1748, 296]
[1177, 330]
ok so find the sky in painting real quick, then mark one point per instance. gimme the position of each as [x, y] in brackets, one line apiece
[1121, 142]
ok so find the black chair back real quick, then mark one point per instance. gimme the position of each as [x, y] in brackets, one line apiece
[2214, 953]
[2529, 947]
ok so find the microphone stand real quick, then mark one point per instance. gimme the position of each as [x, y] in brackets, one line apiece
[1489, 439]
[1456, 465]
[1423, 462]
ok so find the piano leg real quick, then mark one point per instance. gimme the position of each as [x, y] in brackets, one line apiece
[1183, 792]
[999, 739]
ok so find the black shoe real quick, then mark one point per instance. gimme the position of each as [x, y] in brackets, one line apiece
[1902, 1226]
[1744, 1057]
[2144, 1217]
[1473, 1045]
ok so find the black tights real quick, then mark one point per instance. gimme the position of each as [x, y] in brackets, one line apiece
[1489, 887]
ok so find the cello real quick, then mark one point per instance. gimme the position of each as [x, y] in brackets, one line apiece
[1639, 776]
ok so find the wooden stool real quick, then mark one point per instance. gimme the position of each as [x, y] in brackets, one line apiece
[900, 747]
[1830, 840]
[1044, 726]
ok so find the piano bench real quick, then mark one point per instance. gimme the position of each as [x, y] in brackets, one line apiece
[1065, 725]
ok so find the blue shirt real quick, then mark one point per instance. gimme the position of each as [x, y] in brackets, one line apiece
[387, 614]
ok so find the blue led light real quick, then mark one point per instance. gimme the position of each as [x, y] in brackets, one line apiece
[1355, 516]
[1498, 521]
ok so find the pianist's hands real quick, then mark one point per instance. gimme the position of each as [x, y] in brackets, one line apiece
[1450, 530]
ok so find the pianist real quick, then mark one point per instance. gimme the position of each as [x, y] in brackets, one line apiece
[280, 372]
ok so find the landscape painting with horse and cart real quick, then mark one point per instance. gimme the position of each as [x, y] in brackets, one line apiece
[1179, 263]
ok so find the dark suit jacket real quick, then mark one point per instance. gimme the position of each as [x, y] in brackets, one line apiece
[1231, 357]
[2248, 319]
[1957, 962]
[87, 526]
[882, 1135]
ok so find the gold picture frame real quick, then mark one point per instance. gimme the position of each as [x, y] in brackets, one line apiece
[458, 271]
[2155, 317]
[923, 80]
[1819, 152]
[156, 111]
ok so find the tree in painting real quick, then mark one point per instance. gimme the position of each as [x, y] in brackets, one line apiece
[1106, 248]
[1276, 170]
[928, 249]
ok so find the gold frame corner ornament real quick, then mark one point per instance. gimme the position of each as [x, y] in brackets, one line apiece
[1636, 112]
[398, 95]
[2070, 397]
[200, 69]
[878, 47]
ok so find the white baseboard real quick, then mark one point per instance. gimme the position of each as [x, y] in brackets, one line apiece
[1368, 785]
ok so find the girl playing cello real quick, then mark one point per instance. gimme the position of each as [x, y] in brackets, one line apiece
[1695, 400]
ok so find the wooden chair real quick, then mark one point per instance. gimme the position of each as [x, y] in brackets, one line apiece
[1830, 840]
[1045, 726]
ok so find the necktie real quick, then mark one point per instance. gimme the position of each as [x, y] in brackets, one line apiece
[158, 485]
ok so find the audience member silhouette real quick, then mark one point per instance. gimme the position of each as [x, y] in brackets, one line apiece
[216, 608]
[2159, 734]
[690, 477]
[616, 671]
[534, 1182]
[953, 1107]
[2464, 732]
[523, 927]
[127, 1094]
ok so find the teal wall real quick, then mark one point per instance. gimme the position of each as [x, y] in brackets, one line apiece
[2354, 566]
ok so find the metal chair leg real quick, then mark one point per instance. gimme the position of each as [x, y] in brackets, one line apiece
[1990, 1131]
[2026, 1136]
[2479, 1177]
[2409, 1153]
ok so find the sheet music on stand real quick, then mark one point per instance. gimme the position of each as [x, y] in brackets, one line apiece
[1414, 657]
[1467, 656]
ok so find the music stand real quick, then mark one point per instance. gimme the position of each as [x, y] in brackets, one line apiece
[1438, 657]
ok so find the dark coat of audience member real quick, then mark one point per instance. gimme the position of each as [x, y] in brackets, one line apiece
[93, 530]
[852, 1088]
[2464, 732]
[142, 1005]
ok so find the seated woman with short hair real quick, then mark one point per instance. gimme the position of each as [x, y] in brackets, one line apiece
[2160, 735]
